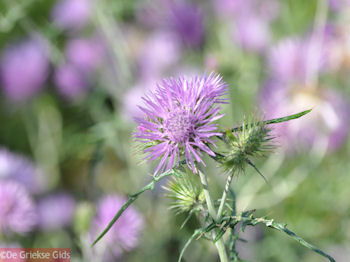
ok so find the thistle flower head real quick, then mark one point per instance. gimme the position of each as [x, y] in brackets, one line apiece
[179, 120]
[253, 139]
[18, 168]
[186, 193]
[55, 211]
[17, 210]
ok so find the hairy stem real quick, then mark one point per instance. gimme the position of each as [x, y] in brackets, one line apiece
[220, 246]
[224, 194]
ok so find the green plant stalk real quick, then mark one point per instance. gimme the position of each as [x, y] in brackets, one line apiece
[220, 246]
[132, 198]
[224, 195]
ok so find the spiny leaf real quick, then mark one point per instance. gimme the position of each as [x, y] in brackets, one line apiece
[287, 118]
[196, 233]
[257, 170]
[131, 199]
[250, 220]
[283, 228]
[278, 120]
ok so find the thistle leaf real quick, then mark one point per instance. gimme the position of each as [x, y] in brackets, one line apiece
[196, 233]
[277, 120]
[132, 198]
[283, 228]
[249, 220]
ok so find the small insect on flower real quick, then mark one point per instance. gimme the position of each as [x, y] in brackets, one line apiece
[179, 120]
[252, 140]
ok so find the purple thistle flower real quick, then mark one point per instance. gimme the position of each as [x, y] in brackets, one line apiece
[85, 53]
[22, 170]
[70, 82]
[23, 69]
[186, 20]
[293, 59]
[125, 233]
[289, 90]
[72, 14]
[17, 210]
[55, 211]
[160, 51]
[251, 32]
[179, 120]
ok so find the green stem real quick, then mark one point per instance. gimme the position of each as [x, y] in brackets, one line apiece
[220, 246]
[224, 195]
[132, 198]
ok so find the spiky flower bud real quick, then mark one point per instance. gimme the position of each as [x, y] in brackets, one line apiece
[186, 193]
[252, 139]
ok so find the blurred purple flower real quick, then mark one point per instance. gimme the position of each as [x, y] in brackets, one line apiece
[55, 211]
[338, 5]
[20, 169]
[72, 14]
[266, 10]
[85, 53]
[296, 59]
[231, 7]
[186, 20]
[327, 123]
[179, 117]
[251, 32]
[250, 21]
[180, 17]
[71, 82]
[17, 210]
[125, 233]
[289, 90]
[133, 98]
[23, 69]
[160, 51]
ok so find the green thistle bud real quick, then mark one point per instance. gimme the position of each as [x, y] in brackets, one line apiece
[186, 192]
[252, 140]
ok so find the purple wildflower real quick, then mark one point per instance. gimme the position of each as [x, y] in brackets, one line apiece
[17, 210]
[265, 9]
[22, 170]
[125, 233]
[55, 211]
[251, 32]
[186, 20]
[179, 118]
[250, 21]
[290, 90]
[338, 5]
[27, 60]
[85, 53]
[72, 14]
[160, 51]
[133, 98]
[70, 82]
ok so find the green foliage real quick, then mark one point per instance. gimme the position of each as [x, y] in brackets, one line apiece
[247, 219]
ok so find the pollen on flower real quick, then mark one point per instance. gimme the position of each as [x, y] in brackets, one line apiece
[179, 125]
[179, 120]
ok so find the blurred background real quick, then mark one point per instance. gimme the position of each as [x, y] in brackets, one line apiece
[72, 73]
